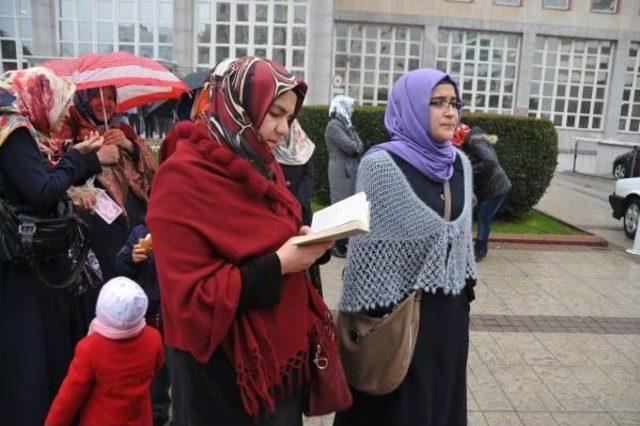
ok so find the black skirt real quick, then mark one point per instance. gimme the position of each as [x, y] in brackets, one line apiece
[434, 392]
[208, 394]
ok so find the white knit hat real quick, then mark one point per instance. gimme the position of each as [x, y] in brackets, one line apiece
[120, 311]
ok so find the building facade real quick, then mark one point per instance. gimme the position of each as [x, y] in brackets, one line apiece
[574, 62]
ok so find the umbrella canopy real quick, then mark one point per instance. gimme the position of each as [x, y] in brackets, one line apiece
[138, 80]
[194, 81]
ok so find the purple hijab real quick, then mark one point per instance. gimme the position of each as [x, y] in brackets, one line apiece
[407, 121]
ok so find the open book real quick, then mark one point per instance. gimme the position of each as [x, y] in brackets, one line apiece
[340, 220]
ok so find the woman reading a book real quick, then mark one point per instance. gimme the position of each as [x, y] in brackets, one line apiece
[419, 189]
[239, 310]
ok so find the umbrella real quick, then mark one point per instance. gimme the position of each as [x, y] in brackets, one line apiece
[194, 81]
[138, 80]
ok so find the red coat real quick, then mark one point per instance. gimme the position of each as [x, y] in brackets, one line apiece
[108, 381]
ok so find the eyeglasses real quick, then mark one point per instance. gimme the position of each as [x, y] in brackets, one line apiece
[442, 104]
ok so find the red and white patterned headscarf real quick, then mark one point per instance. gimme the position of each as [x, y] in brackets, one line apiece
[34, 98]
[235, 99]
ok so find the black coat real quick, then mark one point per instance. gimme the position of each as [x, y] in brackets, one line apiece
[300, 183]
[144, 273]
[39, 326]
[489, 178]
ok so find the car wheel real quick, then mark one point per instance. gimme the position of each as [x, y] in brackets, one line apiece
[619, 171]
[631, 216]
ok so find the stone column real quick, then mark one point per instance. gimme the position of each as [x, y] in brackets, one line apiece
[43, 19]
[525, 68]
[430, 42]
[183, 36]
[319, 53]
[617, 70]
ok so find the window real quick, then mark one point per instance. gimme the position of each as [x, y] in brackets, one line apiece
[507, 2]
[370, 58]
[485, 65]
[555, 4]
[570, 79]
[630, 107]
[604, 6]
[16, 34]
[275, 29]
[141, 27]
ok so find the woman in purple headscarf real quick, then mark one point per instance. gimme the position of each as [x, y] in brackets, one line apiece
[420, 191]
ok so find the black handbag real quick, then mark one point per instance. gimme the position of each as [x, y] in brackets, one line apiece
[28, 238]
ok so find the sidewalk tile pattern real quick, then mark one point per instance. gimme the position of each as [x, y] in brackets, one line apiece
[555, 337]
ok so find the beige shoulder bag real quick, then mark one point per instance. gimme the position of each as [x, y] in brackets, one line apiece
[377, 352]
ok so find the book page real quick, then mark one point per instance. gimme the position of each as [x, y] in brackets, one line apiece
[350, 209]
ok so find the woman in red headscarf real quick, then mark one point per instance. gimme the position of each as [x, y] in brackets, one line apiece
[239, 310]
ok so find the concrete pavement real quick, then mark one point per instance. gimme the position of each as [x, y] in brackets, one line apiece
[555, 334]
[583, 202]
[536, 365]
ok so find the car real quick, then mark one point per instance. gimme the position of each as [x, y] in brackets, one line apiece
[625, 202]
[623, 164]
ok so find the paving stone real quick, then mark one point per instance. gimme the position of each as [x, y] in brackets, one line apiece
[498, 418]
[583, 419]
[555, 374]
[491, 397]
[623, 397]
[621, 374]
[525, 401]
[476, 419]
[537, 419]
[574, 397]
[627, 418]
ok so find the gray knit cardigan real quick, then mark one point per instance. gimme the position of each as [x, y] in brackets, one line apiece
[408, 245]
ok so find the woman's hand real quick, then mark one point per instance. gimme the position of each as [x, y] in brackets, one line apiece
[139, 254]
[116, 137]
[90, 144]
[297, 258]
[83, 202]
[108, 155]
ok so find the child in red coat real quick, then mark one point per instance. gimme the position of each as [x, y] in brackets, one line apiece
[108, 380]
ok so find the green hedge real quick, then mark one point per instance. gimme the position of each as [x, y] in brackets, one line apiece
[528, 149]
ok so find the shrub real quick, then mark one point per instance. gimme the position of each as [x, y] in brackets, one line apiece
[528, 152]
[528, 149]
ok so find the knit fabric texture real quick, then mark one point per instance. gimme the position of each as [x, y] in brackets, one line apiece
[120, 310]
[409, 246]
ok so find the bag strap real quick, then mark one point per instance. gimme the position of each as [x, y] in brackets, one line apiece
[447, 201]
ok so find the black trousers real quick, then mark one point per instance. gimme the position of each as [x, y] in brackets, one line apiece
[208, 395]
[160, 397]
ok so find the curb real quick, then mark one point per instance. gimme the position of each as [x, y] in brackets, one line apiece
[557, 240]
